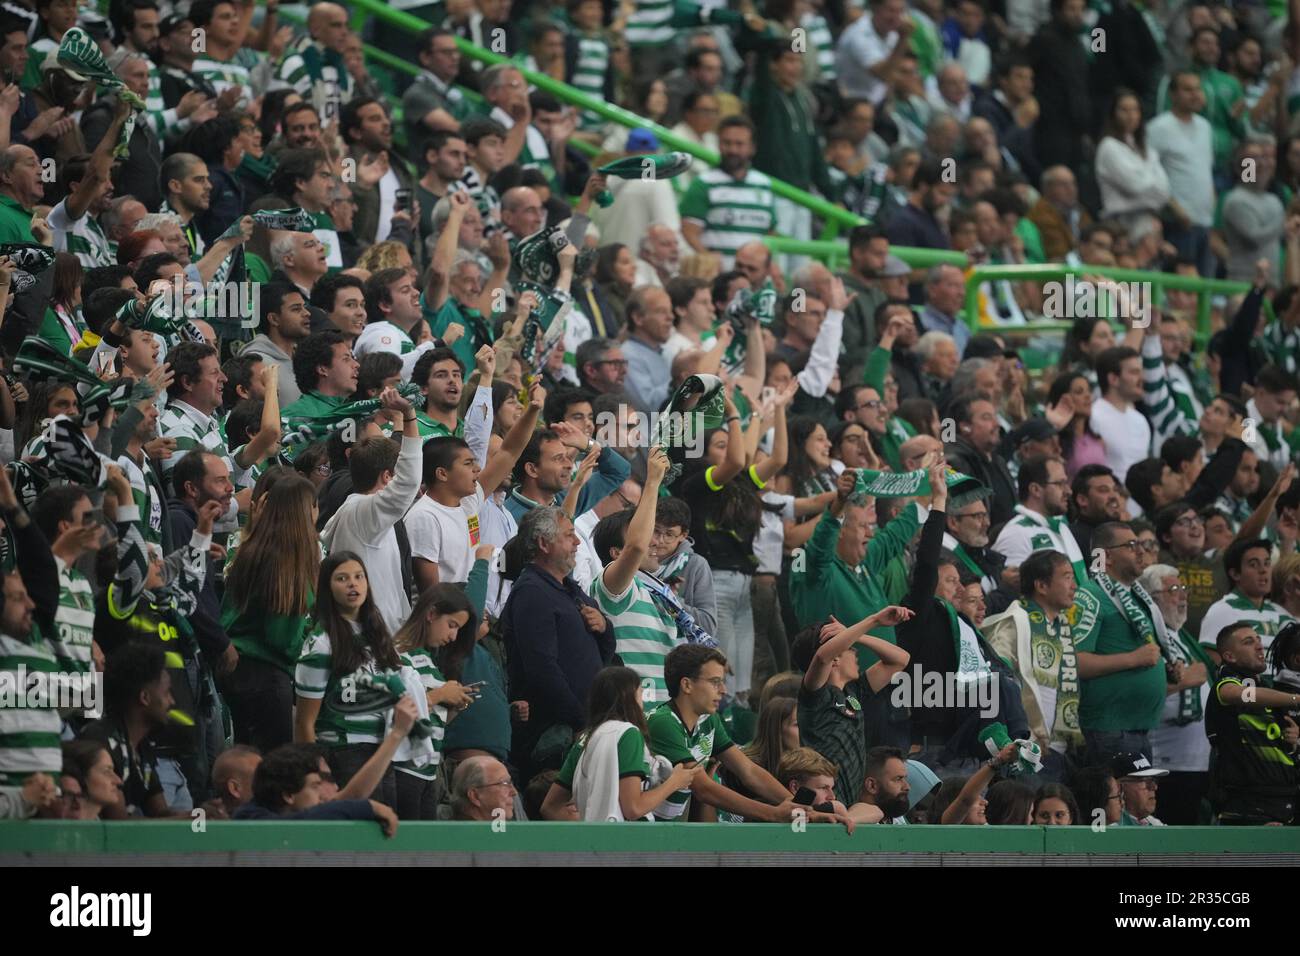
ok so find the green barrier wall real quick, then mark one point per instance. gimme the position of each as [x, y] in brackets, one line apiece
[52, 841]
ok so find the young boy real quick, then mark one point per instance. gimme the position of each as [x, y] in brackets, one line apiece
[680, 567]
[443, 524]
[485, 142]
[860, 184]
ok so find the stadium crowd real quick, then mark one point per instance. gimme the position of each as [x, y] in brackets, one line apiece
[331, 414]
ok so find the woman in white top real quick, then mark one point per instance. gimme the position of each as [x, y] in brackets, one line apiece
[1131, 178]
[699, 125]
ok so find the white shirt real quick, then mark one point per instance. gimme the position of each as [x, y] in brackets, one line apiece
[388, 187]
[1187, 153]
[589, 566]
[364, 524]
[859, 49]
[446, 535]
[1127, 435]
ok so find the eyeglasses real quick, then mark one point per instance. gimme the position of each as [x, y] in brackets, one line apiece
[874, 404]
[1135, 545]
[1116, 796]
[977, 515]
[1190, 522]
[1147, 545]
[499, 783]
[718, 682]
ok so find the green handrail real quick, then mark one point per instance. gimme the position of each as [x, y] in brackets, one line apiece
[1053, 270]
[831, 252]
[830, 213]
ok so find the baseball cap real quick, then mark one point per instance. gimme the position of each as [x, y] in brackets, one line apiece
[51, 62]
[169, 25]
[642, 140]
[1129, 766]
[1033, 429]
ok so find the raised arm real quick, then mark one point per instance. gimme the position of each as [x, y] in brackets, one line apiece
[516, 440]
[618, 573]
[444, 252]
[267, 440]
[838, 639]
[776, 462]
[99, 167]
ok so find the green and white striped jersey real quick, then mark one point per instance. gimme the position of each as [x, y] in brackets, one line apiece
[643, 635]
[82, 237]
[731, 211]
[318, 75]
[192, 429]
[821, 44]
[313, 680]
[233, 72]
[148, 496]
[1171, 407]
[589, 73]
[432, 679]
[1266, 618]
[74, 620]
[1282, 345]
[650, 24]
[29, 736]
[670, 738]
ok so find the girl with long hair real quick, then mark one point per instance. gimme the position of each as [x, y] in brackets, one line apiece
[348, 651]
[615, 276]
[270, 589]
[1132, 180]
[1010, 803]
[1084, 341]
[777, 732]
[1071, 394]
[722, 489]
[440, 633]
[64, 326]
[1055, 806]
[809, 471]
[608, 772]
[45, 400]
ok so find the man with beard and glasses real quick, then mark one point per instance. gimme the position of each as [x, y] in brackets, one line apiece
[1180, 746]
[886, 785]
[1040, 521]
[712, 218]
[556, 638]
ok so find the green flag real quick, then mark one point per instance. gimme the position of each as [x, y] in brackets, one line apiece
[648, 166]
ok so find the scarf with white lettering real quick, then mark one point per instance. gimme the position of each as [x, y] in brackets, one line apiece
[1143, 615]
[1054, 664]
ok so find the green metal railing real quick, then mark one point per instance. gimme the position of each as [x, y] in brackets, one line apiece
[835, 217]
[836, 252]
[1204, 288]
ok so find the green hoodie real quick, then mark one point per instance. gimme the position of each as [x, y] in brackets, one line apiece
[822, 583]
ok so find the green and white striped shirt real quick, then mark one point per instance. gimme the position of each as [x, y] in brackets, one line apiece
[192, 429]
[731, 211]
[823, 45]
[318, 75]
[1171, 409]
[1266, 618]
[670, 738]
[1282, 345]
[29, 736]
[74, 620]
[237, 71]
[589, 73]
[82, 237]
[313, 680]
[432, 679]
[643, 635]
[651, 23]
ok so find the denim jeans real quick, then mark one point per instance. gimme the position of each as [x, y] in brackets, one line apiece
[735, 628]
[1104, 745]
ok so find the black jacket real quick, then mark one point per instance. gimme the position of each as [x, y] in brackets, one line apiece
[206, 620]
[1061, 83]
[992, 473]
[140, 173]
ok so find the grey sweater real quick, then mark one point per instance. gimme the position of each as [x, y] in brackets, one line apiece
[270, 352]
[696, 592]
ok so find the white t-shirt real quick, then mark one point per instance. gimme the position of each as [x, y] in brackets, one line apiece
[1187, 153]
[1127, 435]
[860, 47]
[388, 187]
[446, 536]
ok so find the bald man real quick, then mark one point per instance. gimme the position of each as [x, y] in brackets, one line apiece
[754, 262]
[232, 777]
[1057, 214]
[522, 212]
[912, 451]
[313, 65]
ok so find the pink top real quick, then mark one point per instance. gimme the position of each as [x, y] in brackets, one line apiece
[1087, 450]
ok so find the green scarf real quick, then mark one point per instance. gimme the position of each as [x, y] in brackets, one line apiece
[80, 54]
[971, 663]
[300, 430]
[760, 305]
[1055, 665]
[1143, 618]
[909, 484]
